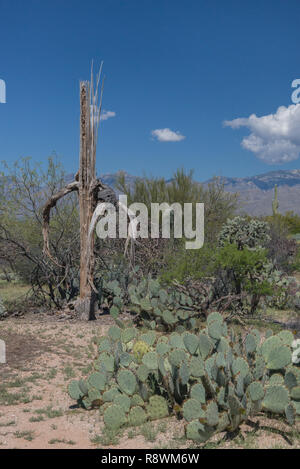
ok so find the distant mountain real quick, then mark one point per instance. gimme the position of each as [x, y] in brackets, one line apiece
[256, 193]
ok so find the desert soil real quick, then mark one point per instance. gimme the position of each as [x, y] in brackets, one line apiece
[36, 411]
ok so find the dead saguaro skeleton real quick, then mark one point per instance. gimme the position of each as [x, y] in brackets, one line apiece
[91, 191]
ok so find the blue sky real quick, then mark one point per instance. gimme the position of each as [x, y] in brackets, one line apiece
[186, 66]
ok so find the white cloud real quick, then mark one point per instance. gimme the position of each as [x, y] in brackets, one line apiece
[167, 135]
[274, 138]
[107, 115]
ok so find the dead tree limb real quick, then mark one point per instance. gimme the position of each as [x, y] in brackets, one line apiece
[73, 186]
[87, 185]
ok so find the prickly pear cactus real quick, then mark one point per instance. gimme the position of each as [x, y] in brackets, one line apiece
[212, 378]
[158, 308]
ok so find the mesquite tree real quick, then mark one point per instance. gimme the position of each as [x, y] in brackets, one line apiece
[90, 192]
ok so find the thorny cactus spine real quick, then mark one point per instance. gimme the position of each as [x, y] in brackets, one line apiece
[213, 379]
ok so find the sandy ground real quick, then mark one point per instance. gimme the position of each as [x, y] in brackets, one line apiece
[36, 411]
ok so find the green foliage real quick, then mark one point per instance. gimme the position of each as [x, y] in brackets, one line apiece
[219, 204]
[212, 378]
[249, 268]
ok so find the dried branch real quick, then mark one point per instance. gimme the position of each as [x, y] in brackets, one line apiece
[73, 186]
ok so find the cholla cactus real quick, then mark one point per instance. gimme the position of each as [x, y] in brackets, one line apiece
[251, 234]
[213, 379]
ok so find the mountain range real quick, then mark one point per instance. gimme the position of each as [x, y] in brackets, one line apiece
[255, 193]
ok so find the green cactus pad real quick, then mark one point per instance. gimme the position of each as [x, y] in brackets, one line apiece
[176, 341]
[104, 345]
[279, 358]
[192, 409]
[240, 366]
[287, 337]
[162, 348]
[149, 338]
[214, 316]
[276, 399]
[110, 394]
[125, 359]
[136, 400]
[74, 390]
[123, 401]
[114, 333]
[276, 379]
[143, 373]
[197, 367]
[177, 356]
[128, 334]
[106, 362]
[295, 393]
[205, 345]
[127, 381]
[198, 393]
[250, 343]
[212, 414]
[215, 329]
[97, 380]
[114, 417]
[157, 408]
[150, 360]
[137, 416]
[168, 317]
[256, 391]
[191, 342]
[269, 344]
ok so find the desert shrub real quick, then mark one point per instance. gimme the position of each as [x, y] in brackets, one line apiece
[181, 188]
[184, 264]
[245, 271]
[212, 378]
[24, 189]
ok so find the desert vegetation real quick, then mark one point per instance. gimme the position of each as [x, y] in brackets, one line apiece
[204, 343]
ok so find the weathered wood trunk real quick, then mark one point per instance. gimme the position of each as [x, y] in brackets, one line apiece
[88, 188]
[87, 176]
